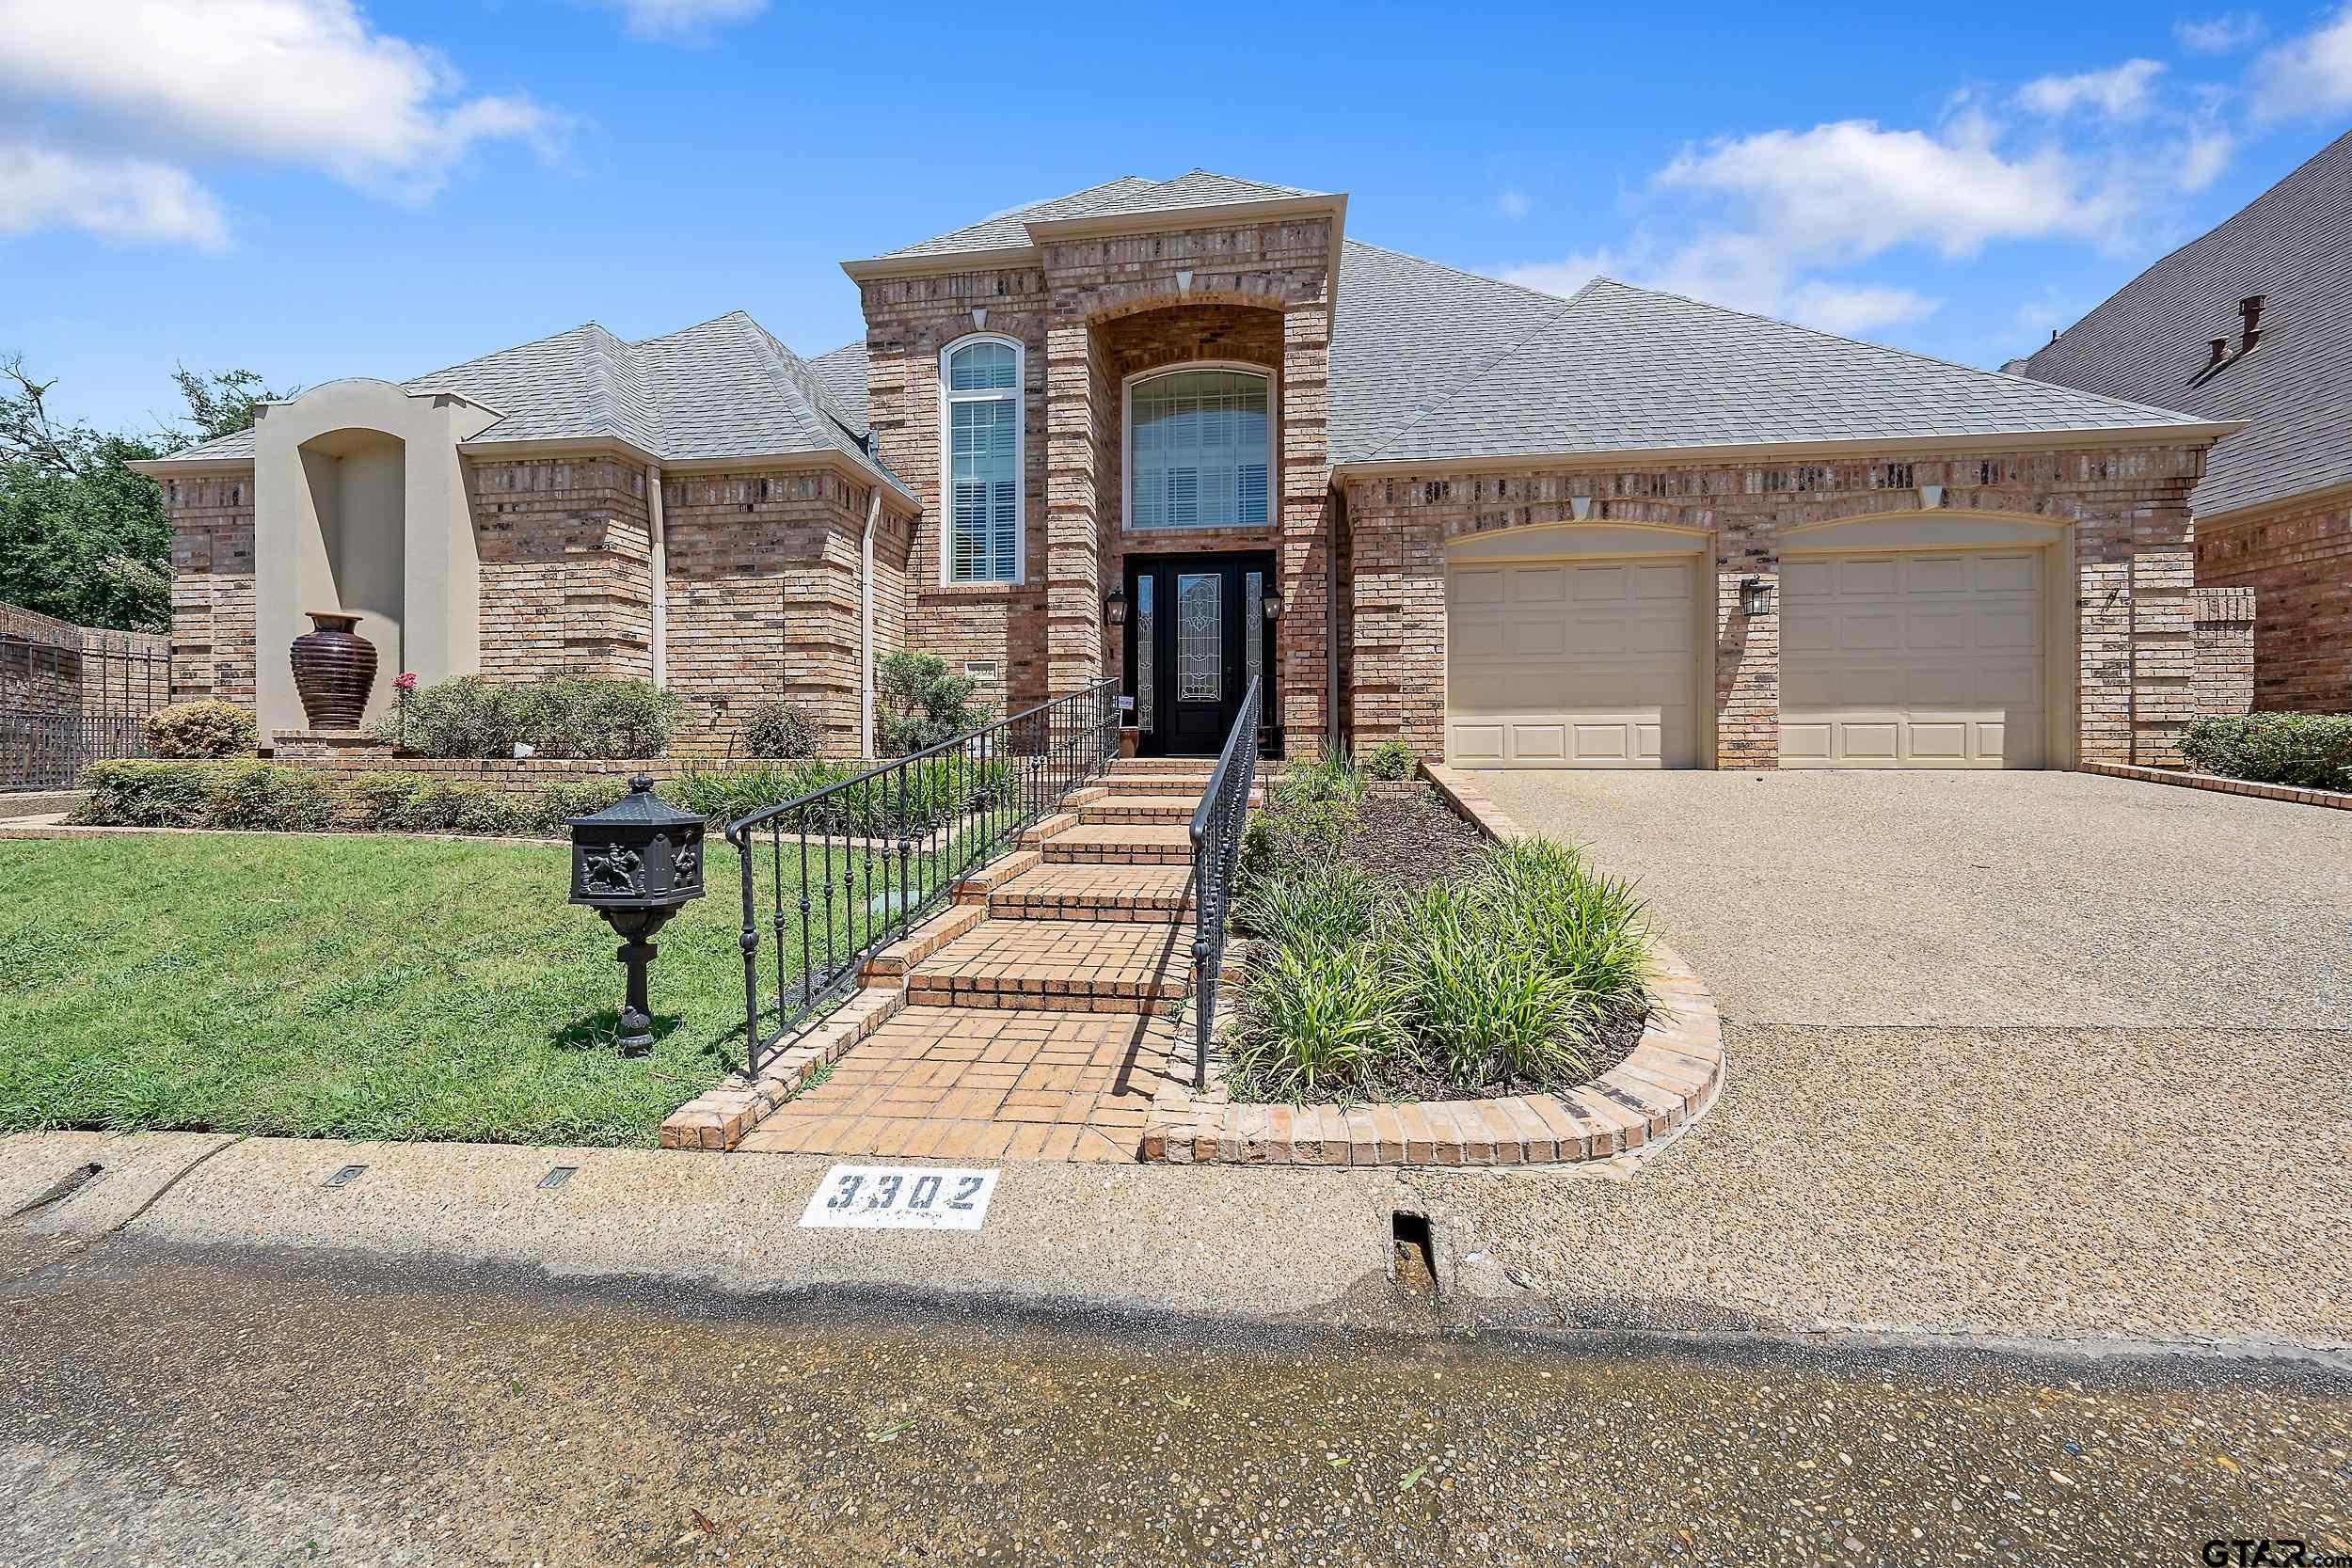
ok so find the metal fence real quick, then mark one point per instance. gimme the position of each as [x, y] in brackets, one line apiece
[63, 709]
[851, 868]
[1216, 828]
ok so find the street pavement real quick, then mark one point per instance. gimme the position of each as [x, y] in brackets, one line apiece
[174, 1405]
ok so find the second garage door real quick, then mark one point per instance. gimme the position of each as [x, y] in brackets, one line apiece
[1925, 659]
[1572, 664]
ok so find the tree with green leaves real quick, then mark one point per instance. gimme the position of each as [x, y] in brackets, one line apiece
[82, 538]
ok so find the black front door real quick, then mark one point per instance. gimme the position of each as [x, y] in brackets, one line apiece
[1197, 635]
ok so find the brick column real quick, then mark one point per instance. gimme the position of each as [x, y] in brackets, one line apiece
[1747, 666]
[1302, 639]
[1073, 608]
[2225, 651]
[2164, 632]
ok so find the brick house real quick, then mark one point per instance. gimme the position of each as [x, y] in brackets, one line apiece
[1187, 434]
[2252, 322]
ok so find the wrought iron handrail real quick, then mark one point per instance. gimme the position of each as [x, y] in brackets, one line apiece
[1216, 825]
[879, 851]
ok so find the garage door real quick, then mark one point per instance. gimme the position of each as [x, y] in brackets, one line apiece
[1572, 665]
[1911, 660]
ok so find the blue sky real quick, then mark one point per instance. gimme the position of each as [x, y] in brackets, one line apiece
[313, 189]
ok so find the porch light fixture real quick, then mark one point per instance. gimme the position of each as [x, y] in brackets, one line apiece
[1273, 605]
[1115, 607]
[1755, 597]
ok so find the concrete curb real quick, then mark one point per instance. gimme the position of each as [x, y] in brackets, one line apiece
[2336, 799]
[1117, 1237]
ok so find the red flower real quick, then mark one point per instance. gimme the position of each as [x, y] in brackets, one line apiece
[406, 680]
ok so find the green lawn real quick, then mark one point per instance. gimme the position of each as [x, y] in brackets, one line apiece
[359, 987]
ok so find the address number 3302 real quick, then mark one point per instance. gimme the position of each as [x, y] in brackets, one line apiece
[907, 1198]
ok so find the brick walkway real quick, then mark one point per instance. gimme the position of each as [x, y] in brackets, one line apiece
[1044, 1024]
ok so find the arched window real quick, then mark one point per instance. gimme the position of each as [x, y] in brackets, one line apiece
[979, 381]
[1198, 447]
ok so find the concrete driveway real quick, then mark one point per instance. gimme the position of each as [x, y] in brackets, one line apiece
[2056, 899]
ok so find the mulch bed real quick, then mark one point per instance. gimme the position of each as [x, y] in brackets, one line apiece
[1408, 840]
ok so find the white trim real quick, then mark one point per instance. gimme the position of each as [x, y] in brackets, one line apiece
[1020, 394]
[1127, 447]
[657, 563]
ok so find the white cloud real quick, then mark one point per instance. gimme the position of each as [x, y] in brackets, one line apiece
[1512, 205]
[2309, 75]
[1852, 189]
[1739, 271]
[2120, 92]
[301, 82]
[127, 199]
[1853, 310]
[2220, 35]
[684, 19]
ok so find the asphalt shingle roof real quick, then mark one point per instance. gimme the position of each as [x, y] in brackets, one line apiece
[1132, 194]
[843, 374]
[1429, 363]
[2293, 244]
[723, 388]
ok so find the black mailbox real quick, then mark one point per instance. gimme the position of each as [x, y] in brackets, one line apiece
[636, 862]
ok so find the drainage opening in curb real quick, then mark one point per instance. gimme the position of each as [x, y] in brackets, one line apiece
[64, 1187]
[1412, 1254]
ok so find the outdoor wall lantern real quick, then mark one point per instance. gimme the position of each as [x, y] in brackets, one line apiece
[1755, 597]
[1273, 605]
[1115, 607]
[636, 862]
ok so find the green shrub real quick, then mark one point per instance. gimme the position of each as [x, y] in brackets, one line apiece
[205, 730]
[475, 717]
[1329, 906]
[721, 797]
[1391, 762]
[1586, 928]
[778, 729]
[1482, 1004]
[1316, 1019]
[147, 794]
[921, 705]
[2310, 751]
[1330, 779]
[283, 799]
[546, 814]
[1286, 841]
[207, 794]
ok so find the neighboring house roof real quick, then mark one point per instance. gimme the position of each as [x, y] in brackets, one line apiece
[1112, 199]
[1429, 363]
[2292, 243]
[725, 388]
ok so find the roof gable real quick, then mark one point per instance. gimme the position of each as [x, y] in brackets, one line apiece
[1009, 229]
[2292, 243]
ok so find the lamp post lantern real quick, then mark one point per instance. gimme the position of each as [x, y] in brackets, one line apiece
[637, 863]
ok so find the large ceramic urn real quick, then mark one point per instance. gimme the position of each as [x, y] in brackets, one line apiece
[334, 668]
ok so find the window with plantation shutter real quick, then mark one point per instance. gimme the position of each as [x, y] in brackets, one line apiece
[981, 381]
[1199, 449]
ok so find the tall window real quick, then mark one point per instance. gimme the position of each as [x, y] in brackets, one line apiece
[1196, 448]
[982, 377]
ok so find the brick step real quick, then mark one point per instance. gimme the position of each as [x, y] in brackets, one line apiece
[1121, 844]
[1161, 892]
[1162, 765]
[1060, 965]
[1139, 808]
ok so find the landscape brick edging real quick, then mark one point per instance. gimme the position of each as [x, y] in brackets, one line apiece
[1669, 1080]
[2295, 793]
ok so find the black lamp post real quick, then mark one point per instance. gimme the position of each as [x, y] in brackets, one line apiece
[636, 862]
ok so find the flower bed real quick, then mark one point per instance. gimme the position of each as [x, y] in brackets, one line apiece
[1393, 953]
[2305, 751]
[1514, 1013]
